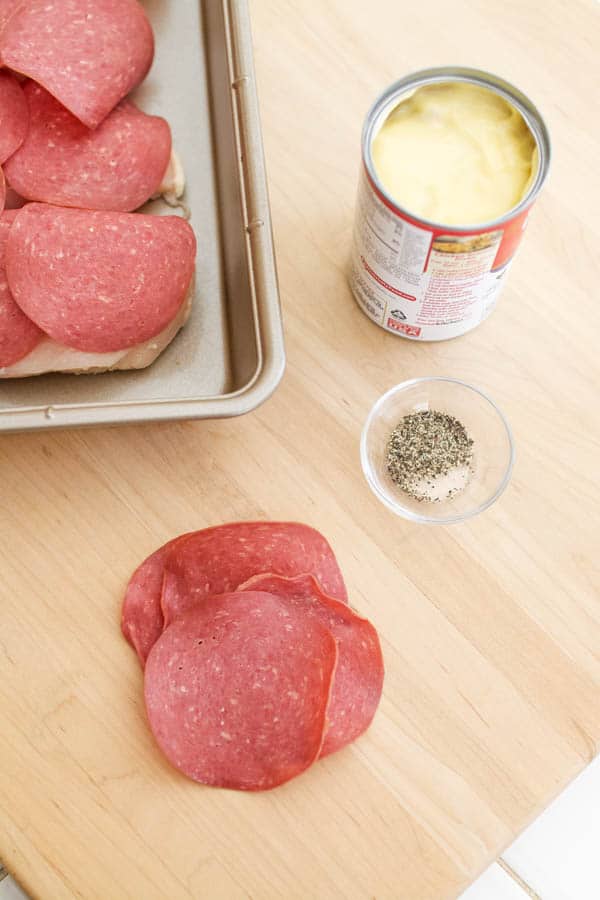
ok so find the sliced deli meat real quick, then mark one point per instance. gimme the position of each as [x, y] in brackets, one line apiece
[99, 281]
[117, 166]
[14, 115]
[18, 334]
[358, 680]
[237, 691]
[219, 559]
[245, 689]
[88, 53]
[214, 561]
[142, 620]
[2, 190]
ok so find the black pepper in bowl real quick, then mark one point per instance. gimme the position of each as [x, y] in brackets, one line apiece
[430, 456]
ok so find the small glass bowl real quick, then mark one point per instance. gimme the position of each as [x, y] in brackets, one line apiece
[493, 449]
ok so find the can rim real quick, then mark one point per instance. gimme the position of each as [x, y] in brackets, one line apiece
[386, 101]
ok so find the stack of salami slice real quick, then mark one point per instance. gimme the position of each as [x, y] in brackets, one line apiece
[83, 280]
[255, 664]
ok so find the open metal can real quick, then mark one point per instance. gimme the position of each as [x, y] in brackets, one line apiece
[426, 280]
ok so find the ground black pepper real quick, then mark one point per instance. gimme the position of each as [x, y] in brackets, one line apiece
[424, 450]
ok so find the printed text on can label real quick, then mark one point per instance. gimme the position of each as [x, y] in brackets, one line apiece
[422, 283]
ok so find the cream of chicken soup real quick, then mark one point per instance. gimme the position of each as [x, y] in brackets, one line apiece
[453, 160]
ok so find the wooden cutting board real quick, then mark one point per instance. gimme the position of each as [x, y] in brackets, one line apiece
[490, 630]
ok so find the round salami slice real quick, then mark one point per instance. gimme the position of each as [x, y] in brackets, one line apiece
[142, 620]
[99, 281]
[2, 191]
[237, 691]
[358, 680]
[18, 334]
[14, 115]
[88, 53]
[118, 166]
[219, 559]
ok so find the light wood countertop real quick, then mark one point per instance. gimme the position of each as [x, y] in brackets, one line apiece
[490, 630]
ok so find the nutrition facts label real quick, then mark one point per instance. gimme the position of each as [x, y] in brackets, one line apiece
[412, 281]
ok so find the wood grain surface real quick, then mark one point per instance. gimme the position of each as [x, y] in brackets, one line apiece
[490, 630]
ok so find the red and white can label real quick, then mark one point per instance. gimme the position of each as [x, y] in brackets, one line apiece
[422, 282]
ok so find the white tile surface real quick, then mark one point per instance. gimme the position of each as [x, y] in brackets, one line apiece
[10, 890]
[558, 856]
[494, 884]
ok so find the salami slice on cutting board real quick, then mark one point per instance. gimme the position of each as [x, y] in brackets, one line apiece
[99, 281]
[18, 334]
[88, 53]
[142, 620]
[358, 679]
[237, 691]
[219, 559]
[14, 115]
[118, 166]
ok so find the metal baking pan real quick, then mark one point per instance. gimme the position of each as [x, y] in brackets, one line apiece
[230, 356]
